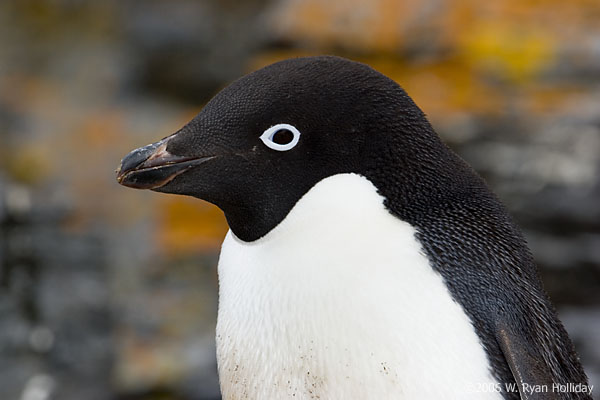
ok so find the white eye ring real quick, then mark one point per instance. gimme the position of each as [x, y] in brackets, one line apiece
[267, 137]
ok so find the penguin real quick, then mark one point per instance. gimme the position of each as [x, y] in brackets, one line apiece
[364, 259]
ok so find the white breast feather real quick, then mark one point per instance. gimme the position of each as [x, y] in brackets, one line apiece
[339, 302]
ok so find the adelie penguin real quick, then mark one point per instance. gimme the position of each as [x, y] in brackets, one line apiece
[365, 260]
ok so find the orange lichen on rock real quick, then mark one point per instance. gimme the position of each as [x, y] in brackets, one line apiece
[188, 225]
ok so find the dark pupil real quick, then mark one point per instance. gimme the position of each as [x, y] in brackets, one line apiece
[283, 136]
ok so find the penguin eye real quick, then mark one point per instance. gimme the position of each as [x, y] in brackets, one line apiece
[281, 137]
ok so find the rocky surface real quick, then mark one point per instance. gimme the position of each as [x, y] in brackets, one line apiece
[55, 325]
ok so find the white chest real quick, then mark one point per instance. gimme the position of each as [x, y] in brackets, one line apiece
[338, 302]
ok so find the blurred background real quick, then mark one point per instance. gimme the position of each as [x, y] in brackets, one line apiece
[110, 293]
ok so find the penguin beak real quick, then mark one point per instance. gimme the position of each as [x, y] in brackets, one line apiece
[152, 166]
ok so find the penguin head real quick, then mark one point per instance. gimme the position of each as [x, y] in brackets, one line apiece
[261, 143]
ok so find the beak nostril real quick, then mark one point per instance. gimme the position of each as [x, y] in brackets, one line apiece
[160, 152]
[152, 166]
[161, 156]
[150, 155]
